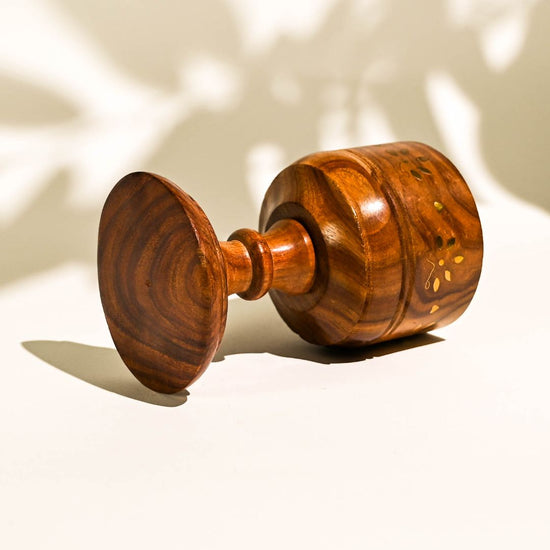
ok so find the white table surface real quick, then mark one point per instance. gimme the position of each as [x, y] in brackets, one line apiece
[442, 442]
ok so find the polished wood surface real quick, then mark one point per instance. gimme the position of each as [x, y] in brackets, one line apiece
[397, 239]
[162, 281]
[282, 258]
[355, 246]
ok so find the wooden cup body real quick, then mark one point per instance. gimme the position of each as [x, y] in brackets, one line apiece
[397, 238]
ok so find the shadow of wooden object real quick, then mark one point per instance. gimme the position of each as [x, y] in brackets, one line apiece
[101, 367]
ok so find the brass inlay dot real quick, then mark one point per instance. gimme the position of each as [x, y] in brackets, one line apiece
[447, 275]
[434, 309]
[458, 259]
[437, 282]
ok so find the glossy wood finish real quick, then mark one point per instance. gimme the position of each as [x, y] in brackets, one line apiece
[397, 239]
[355, 246]
[162, 281]
[283, 258]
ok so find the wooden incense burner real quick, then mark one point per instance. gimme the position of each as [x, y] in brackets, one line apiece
[355, 247]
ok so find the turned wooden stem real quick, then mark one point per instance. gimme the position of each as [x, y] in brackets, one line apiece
[282, 258]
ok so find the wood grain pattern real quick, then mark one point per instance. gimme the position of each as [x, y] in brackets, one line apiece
[356, 246]
[397, 238]
[162, 281]
[283, 259]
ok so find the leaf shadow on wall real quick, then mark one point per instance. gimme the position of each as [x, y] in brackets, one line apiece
[381, 55]
[49, 232]
[355, 60]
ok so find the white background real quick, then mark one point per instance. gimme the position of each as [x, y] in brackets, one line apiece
[436, 442]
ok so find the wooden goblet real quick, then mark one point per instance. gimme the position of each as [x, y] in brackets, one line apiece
[356, 246]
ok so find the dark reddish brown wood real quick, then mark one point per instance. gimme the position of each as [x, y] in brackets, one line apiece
[282, 258]
[356, 246]
[238, 266]
[397, 238]
[162, 281]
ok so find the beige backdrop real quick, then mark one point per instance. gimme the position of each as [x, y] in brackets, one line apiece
[220, 95]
